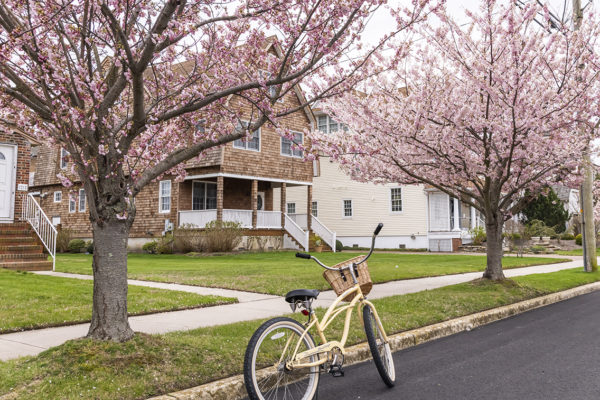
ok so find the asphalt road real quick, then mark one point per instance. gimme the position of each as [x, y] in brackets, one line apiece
[549, 353]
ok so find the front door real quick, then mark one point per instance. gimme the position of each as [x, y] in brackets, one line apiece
[260, 201]
[7, 184]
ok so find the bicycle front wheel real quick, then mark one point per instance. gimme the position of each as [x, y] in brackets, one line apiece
[266, 375]
[381, 352]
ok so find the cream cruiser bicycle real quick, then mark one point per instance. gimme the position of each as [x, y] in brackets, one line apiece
[282, 360]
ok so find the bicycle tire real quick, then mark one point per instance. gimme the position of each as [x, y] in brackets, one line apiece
[381, 352]
[289, 382]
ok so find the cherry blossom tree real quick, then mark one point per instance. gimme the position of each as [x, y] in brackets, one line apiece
[485, 112]
[133, 88]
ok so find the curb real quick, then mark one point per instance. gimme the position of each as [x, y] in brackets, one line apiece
[232, 388]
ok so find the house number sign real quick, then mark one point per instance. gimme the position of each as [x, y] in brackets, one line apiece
[22, 187]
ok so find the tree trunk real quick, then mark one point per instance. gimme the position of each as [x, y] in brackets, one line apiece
[109, 312]
[493, 230]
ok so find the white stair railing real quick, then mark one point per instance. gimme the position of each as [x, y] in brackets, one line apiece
[35, 216]
[320, 229]
[294, 230]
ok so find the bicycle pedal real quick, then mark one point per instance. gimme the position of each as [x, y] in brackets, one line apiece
[336, 371]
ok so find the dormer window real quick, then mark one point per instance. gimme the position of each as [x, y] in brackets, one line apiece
[326, 124]
[64, 158]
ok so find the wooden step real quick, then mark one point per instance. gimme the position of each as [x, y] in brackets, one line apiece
[27, 265]
[20, 249]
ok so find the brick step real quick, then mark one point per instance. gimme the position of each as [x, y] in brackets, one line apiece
[20, 249]
[7, 240]
[27, 265]
[15, 225]
[15, 232]
[23, 257]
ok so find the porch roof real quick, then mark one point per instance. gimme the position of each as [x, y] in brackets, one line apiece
[248, 177]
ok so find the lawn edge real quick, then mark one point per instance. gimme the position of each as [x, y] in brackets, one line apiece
[232, 388]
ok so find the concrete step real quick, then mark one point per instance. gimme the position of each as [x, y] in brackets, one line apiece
[20, 248]
[27, 265]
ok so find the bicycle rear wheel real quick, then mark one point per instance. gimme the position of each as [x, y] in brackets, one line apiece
[381, 352]
[265, 372]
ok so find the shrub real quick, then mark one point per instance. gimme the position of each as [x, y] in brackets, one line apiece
[579, 239]
[318, 241]
[538, 249]
[537, 228]
[150, 247]
[76, 245]
[187, 238]
[222, 236]
[478, 235]
[338, 246]
[164, 245]
[567, 236]
[515, 236]
[89, 247]
[62, 240]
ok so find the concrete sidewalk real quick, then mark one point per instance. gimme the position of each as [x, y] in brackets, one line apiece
[251, 306]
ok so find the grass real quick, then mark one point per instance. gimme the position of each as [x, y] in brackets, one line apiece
[279, 272]
[151, 365]
[30, 301]
[576, 252]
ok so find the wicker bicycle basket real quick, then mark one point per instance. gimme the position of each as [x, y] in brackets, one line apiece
[341, 281]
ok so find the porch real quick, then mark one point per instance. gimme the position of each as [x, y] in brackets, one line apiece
[249, 202]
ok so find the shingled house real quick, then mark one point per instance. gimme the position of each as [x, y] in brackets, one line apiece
[233, 183]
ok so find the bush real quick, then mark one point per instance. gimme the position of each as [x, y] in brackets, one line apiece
[579, 239]
[538, 249]
[76, 245]
[150, 247]
[62, 240]
[89, 247]
[164, 245]
[338, 246]
[478, 235]
[515, 236]
[222, 236]
[187, 238]
[567, 236]
[537, 228]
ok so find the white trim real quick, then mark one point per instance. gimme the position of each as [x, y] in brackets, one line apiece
[160, 197]
[237, 176]
[344, 216]
[79, 201]
[392, 212]
[55, 193]
[11, 214]
[291, 144]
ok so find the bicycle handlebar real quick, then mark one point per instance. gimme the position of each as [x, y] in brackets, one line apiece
[309, 257]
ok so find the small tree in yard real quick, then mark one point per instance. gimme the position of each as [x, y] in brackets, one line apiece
[133, 88]
[548, 208]
[487, 111]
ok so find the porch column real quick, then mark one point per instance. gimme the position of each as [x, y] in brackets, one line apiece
[456, 215]
[309, 190]
[283, 204]
[473, 217]
[254, 202]
[219, 198]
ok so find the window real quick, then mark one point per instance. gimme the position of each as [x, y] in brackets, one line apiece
[64, 158]
[291, 208]
[347, 208]
[81, 200]
[2, 157]
[272, 90]
[328, 125]
[253, 143]
[31, 178]
[57, 197]
[164, 197]
[72, 203]
[204, 196]
[286, 145]
[396, 199]
[315, 212]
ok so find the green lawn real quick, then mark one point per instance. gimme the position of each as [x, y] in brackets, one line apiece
[152, 365]
[576, 252]
[34, 301]
[280, 272]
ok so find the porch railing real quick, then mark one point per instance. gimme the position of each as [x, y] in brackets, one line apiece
[328, 236]
[35, 216]
[268, 219]
[197, 218]
[296, 232]
[243, 217]
[300, 220]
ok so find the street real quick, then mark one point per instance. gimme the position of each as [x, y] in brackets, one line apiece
[549, 353]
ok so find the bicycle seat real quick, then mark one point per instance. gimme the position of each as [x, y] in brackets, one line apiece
[301, 295]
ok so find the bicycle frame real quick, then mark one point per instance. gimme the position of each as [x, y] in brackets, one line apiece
[332, 312]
